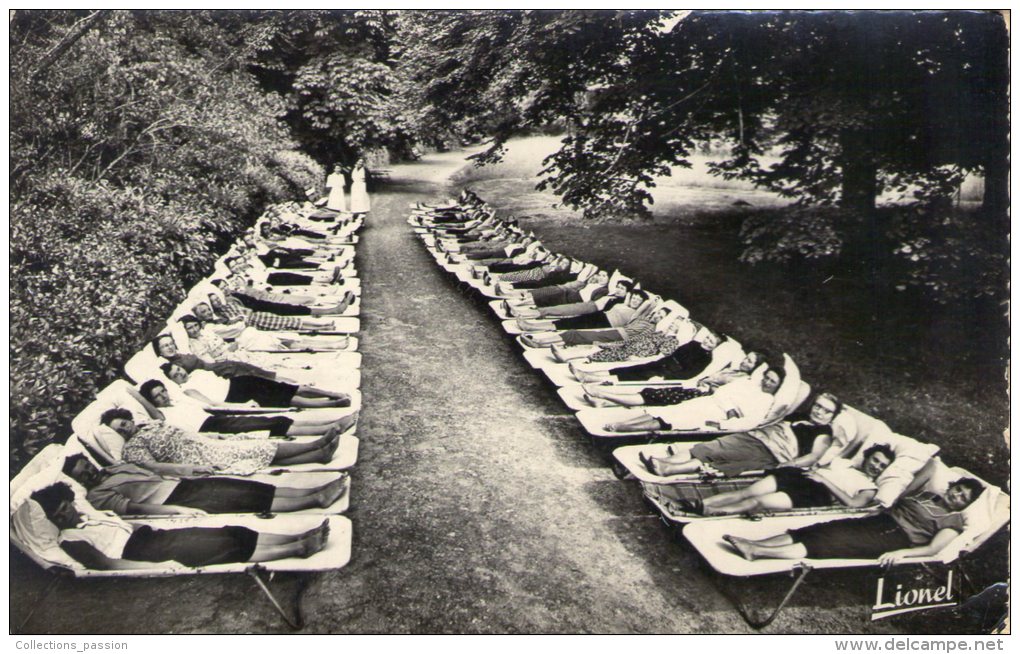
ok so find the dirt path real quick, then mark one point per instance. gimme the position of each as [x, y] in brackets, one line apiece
[477, 504]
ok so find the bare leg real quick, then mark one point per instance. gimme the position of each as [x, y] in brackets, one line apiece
[585, 376]
[308, 428]
[307, 498]
[318, 402]
[309, 324]
[311, 391]
[614, 395]
[665, 469]
[769, 502]
[640, 422]
[286, 451]
[763, 486]
[752, 550]
[272, 547]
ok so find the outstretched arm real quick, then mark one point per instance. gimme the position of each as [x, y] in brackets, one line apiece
[941, 539]
[818, 448]
[92, 558]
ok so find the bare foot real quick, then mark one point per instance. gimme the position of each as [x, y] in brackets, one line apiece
[597, 402]
[348, 421]
[332, 491]
[744, 547]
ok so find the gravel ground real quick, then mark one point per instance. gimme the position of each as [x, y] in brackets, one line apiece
[478, 505]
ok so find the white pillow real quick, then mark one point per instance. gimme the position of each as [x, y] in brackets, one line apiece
[911, 456]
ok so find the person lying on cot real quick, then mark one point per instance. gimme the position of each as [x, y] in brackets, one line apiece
[483, 229]
[604, 394]
[505, 248]
[582, 289]
[689, 359]
[793, 443]
[554, 270]
[652, 343]
[209, 346]
[252, 338]
[217, 392]
[279, 227]
[612, 311]
[230, 310]
[279, 256]
[277, 236]
[534, 256]
[166, 449]
[282, 257]
[279, 303]
[796, 488]
[189, 415]
[918, 525]
[165, 346]
[127, 489]
[263, 276]
[110, 543]
[737, 406]
[640, 323]
[582, 307]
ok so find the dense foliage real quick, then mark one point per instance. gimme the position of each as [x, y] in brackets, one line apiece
[134, 157]
[825, 108]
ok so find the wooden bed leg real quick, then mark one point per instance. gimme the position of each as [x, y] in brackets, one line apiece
[761, 624]
[295, 622]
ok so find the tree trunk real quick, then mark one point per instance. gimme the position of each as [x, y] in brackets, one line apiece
[859, 187]
[995, 203]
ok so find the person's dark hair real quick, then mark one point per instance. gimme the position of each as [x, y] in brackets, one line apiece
[887, 450]
[188, 319]
[155, 343]
[51, 497]
[832, 398]
[973, 485]
[218, 283]
[70, 462]
[115, 414]
[640, 293]
[779, 373]
[148, 387]
[166, 368]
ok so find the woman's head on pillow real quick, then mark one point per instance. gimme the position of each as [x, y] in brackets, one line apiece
[772, 380]
[962, 493]
[57, 502]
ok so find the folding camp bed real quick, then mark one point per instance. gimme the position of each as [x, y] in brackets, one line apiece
[307, 479]
[791, 393]
[103, 443]
[26, 519]
[339, 374]
[985, 517]
[334, 556]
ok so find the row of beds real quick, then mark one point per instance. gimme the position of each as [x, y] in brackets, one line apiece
[858, 430]
[337, 370]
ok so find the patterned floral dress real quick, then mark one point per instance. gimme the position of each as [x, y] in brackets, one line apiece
[159, 442]
[648, 344]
